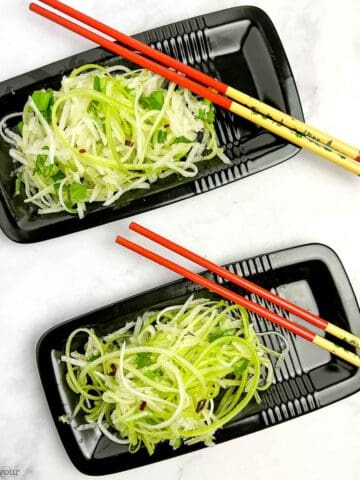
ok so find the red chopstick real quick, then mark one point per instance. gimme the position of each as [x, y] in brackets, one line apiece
[220, 290]
[232, 277]
[134, 57]
[248, 285]
[293, 327]
[139, 46]
[276, 121]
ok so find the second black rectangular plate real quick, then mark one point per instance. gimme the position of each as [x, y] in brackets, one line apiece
[310, 378]
[241, 47]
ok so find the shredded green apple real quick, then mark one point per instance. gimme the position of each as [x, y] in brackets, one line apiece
[105, 132]
[174, 375]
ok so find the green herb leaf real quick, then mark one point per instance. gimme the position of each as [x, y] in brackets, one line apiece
[143, 359]
[177, 443]
[154, 374]
[182, 140]
[45, 169]
[58, 176]
[69, 206]
[155, 101]
[206, 115]
[240, 367]
[44, 100]
[77, 192]
[20, 127]
[161, 136]
[93, 107]
[221, 333]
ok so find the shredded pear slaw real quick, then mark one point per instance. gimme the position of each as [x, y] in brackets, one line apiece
[175, 375]
[104, 132]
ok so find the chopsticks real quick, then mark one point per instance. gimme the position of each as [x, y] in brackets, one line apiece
[251, 109]
[289, 325]
[309, 317]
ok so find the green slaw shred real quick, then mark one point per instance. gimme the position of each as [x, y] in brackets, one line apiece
[174, 375]
[104, 132]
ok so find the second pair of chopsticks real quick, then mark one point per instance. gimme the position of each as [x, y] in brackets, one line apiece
[276, 121]
[289, 325]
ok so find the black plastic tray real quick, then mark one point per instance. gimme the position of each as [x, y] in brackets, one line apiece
[239, 45]
[310, 378]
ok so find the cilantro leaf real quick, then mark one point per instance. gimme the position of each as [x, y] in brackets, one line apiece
[44, 100]
[143, 359]
[58, 176]
[66, 197]
[93, 107]
[154, 374]
[161, 136]
[69, 206]
[182, 140]
[77, 192]
[177, 443]
[45, 169]
[155, 101]
[221, 333]
[206, 115]
[240, 367]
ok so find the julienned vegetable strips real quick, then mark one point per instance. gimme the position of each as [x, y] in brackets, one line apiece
[107, 131]
[176, 375]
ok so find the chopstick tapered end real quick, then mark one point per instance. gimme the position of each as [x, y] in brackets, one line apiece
[119, 240]
[133, 225]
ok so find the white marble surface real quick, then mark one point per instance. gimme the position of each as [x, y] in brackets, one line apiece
[303, 200]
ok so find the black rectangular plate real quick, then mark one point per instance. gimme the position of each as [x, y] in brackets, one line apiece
[310, 378]
[241, 47]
